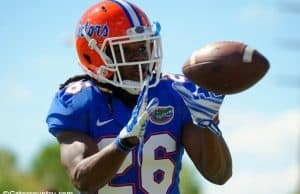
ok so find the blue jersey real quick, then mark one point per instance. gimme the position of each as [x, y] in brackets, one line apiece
[82, 106]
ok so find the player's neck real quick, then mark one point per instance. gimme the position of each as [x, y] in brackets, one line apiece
[128, 99]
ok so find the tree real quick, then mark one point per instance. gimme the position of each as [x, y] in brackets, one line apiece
[8, 160]
[11, 178]
[47, 168]
[297, 190]
[188, 183]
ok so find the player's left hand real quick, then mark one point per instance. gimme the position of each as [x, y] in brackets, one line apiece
[139, 119]
[203, 105]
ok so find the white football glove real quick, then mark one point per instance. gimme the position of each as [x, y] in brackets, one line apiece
[138, 121]
[202, 104]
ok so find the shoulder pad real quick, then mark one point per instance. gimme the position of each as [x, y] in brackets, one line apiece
[75, 79]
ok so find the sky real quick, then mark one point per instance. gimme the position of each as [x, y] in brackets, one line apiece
[260, 125]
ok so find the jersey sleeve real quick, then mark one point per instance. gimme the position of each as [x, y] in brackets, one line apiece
[209, 99]
[183, 110]
[69, 109]
[186, 115]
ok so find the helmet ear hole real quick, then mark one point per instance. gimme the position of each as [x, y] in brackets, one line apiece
[88, 58]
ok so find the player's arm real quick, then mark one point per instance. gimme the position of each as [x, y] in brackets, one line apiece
[208, 152]
[88, 167]
[202, 137]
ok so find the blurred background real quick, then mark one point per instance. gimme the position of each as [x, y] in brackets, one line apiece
[261, 125]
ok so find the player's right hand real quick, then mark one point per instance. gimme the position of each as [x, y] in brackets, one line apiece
[138, 121]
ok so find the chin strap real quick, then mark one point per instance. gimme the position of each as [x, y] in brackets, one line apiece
[137, 85]
[134, 91]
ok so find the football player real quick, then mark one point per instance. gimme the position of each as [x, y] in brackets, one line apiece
[123, 126]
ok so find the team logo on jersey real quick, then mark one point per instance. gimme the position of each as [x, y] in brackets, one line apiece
[162, 115]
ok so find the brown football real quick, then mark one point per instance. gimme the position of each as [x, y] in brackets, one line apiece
[226, 67]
